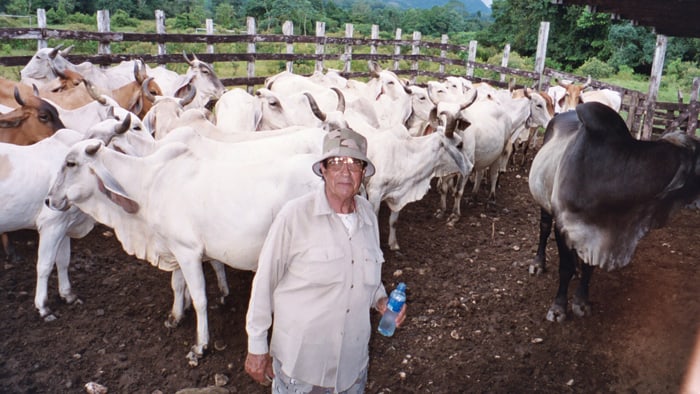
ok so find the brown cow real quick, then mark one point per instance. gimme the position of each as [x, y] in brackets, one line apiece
[34, 120]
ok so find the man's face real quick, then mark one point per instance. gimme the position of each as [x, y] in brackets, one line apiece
[343, 177]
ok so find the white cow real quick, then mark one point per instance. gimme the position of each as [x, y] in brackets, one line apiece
[28, 171]
[404, 167]
[222, 212]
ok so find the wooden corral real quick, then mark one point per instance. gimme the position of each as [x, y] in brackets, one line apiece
[352, 53]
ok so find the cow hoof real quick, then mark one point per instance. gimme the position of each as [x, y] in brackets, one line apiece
[581, 308]
[172, 322]
[195, 354]
[439, 214]
[395, 247]
[556, 314]
[192, 359]
[50, 317]
[72, 298]
[452, 220]
[536, 269]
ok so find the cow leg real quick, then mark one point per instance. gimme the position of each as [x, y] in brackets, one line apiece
[177, 283]
[393, 218]
[445, 185]
[567, 267]
[220, 270]
[478, 177]
[62, 262]
[9, 249]
[531, 141]
[494, 172]
[52, 242]
[538, 265]
[458, 193]
[580, 305]
[194, 277]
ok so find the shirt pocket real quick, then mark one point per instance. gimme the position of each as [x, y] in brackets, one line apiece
[319, 265]
[372, 266]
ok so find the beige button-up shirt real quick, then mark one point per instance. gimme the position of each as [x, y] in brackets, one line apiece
[319, 283]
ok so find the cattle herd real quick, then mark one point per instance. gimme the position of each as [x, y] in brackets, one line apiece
[185, 171]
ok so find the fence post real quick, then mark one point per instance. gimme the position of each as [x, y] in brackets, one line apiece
[251, 30]
[443, 53]
[41, 24]
[374, 36]
[471, 57]
[693, 107]
[288, 30]
[349, 32]
[415, 51]
[632, 113]
[541, 55]
[654, 81]
[160, 29]
[103, 27]
[504, 60]
[320, 46]
[397, 49]
[210, 31]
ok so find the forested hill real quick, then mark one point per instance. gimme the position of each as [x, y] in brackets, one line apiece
[471, 6]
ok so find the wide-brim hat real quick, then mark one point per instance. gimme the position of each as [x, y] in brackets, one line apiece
[344, 142]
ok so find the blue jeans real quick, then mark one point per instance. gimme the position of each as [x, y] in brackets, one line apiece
[283, 384]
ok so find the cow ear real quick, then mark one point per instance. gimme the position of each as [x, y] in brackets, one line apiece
[112, 189]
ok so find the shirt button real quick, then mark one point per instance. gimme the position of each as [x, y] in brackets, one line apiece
[352, 286]
[347, 311]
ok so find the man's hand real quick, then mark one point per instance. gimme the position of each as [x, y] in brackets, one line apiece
[259, 367]
[381, 307]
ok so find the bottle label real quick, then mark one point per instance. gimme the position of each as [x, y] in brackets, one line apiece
[395, 303]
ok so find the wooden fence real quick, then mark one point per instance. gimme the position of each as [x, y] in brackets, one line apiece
[414, 58]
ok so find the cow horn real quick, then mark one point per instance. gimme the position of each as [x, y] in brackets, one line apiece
[341, 99]
[137, 73]
[469, 102]
[588, 83]
[124, 126]
[186, 58]
[314, 107]
[374, 69]
[432, 100]
[91, 90]
[18, 99]
[147, 92]
[93, 148]
[189, 97]
[66, 51]
[54, 52]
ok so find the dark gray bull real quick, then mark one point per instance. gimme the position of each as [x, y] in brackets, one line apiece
[605, 190]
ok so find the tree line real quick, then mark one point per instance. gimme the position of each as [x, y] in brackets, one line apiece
[578, 38]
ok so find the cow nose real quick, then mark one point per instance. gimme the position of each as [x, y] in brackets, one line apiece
[46, 201]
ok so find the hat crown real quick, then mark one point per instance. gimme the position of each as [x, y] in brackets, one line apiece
[345, 142]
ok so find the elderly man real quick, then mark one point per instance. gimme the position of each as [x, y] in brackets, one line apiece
[319, 273]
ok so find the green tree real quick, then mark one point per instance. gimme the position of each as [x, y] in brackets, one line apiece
[225, 15]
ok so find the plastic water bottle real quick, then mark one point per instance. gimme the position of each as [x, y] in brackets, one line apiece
[396, 300]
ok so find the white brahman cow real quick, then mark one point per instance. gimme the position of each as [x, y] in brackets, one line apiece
[222, 212]
[27, 172]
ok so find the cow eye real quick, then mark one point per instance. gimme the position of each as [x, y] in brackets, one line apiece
[44, 118]
[70, 164]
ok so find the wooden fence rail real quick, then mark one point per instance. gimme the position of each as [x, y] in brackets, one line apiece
[438, 60]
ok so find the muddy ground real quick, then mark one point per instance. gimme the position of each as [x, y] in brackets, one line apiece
[476, 319]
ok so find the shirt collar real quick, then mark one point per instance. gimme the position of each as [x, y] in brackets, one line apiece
[321, 207]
